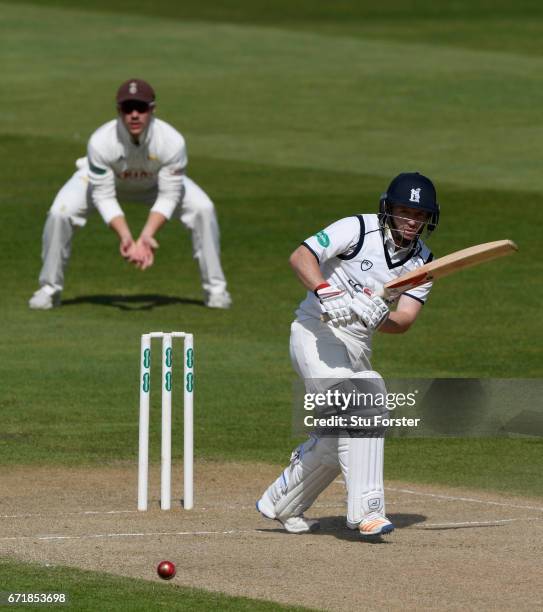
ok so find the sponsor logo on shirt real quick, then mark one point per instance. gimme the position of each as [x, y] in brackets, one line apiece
[323, 239]
[134, 174]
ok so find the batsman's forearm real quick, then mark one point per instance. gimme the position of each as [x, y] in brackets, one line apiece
[392, 326]
[307, 269]
[397, 323]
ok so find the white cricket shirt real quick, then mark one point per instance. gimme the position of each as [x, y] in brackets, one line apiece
[355, 248]
[152, 169]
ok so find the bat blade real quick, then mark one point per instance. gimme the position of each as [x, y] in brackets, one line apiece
[449, 264]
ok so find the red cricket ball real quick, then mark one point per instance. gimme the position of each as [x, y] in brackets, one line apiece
[166, 570]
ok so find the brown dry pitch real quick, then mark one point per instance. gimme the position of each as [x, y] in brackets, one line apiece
[452, 550]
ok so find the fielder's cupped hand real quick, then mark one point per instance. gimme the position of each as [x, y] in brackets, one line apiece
[143, 253]
[126, 247]
[335, 303]
[371, 309]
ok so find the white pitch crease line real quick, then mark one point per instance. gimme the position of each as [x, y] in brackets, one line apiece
[465, 499]
[454, 498]
[82, 513]
[235, 507]
[474, 523]
[113, 512]
[49, 538]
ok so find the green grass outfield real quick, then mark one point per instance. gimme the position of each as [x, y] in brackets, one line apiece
[294, 117]
[90, 591]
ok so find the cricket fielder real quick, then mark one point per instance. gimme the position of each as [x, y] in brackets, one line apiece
[134, 157]
[343, 268]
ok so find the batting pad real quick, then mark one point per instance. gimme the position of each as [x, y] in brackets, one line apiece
[313, 467]
[361, 461]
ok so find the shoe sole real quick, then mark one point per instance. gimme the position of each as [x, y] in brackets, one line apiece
[386, 529]
[49, 306]
[44, 307]
[313, 528]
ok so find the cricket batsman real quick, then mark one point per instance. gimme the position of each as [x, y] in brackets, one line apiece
[135, 157]
[343, 268]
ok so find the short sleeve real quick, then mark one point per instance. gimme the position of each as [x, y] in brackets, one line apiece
[339, 238]
[420, 293]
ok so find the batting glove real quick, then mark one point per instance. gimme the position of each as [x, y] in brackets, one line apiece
[368, 306]
[335, 304]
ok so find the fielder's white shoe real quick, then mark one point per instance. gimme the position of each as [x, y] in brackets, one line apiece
[373, 524]
[218, 300]
[293, 524]
[44, 298]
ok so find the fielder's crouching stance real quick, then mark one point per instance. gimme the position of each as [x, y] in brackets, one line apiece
[344, 267]
[135, 157]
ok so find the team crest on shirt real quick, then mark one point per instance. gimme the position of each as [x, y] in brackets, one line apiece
[415, 195]
[323, 239]
[366, 265]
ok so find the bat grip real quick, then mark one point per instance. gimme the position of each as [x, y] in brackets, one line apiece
[384, 294]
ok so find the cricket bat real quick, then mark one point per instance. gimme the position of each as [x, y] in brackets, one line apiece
[449, 264]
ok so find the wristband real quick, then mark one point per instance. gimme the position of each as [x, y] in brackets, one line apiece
[319, 287]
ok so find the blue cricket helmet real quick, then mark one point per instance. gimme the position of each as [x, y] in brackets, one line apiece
[414, 190]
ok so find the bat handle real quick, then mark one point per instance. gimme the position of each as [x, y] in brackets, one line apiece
[384, 294]
[325, 317]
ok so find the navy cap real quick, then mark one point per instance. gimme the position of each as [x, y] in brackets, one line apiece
[414, 190]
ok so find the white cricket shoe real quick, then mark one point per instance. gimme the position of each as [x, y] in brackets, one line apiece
[373, 524]
[300, 524]
[293, 524]
[44, 298]
[218, 300]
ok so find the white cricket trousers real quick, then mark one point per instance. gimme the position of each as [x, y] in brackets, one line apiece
[319, 356]
[73, 204]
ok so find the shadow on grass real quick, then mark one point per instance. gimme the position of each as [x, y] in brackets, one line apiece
[131, 302]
